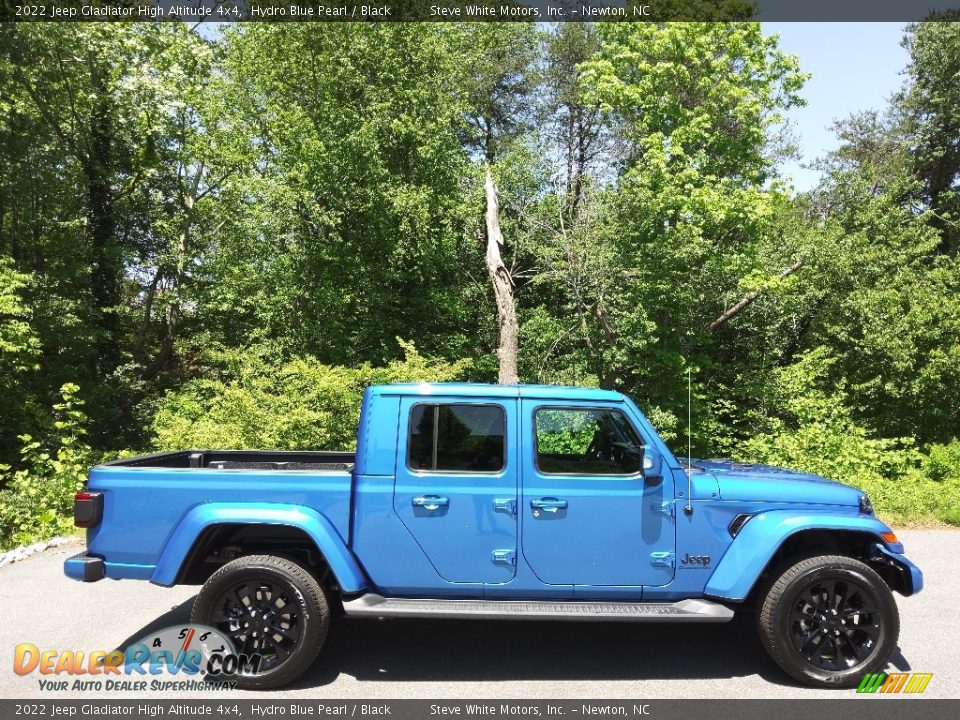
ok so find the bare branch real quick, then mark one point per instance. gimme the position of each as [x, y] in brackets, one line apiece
[747, 300]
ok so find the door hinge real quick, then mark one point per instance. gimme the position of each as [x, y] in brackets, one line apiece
[504, 557]
[505, 504]
[662, 558]
[664, 508]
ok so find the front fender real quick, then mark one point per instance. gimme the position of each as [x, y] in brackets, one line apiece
[762, 536]
[321, 531]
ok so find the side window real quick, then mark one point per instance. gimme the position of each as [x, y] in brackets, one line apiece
[464, 438]
[587, 441]
[420, 441]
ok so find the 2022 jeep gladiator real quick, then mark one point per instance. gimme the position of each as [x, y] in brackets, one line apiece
[511, 502]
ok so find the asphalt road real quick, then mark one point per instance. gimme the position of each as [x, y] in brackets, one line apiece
[481, 659]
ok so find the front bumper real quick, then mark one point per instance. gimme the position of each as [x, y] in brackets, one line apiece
[84, 567]
[909, 578]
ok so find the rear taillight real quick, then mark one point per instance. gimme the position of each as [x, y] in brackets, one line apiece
[87, 509]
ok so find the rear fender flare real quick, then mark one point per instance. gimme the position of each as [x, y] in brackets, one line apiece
[763, 535]
[342, 563]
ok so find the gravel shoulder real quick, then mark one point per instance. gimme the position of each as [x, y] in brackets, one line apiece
[478, 659]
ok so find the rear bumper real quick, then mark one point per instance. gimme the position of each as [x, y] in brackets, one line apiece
[84, 567]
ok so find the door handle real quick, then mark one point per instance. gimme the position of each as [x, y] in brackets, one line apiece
[505, 505]
[548, 504]
[430, 502]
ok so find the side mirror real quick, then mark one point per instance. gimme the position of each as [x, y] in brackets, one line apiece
[652, 464]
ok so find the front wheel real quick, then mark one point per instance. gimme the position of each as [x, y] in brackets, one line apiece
[829, 620]
[270, 607]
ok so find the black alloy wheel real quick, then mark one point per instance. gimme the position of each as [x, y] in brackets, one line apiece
[828, 620]
[835, 624]
[272, 608]
[260, 617]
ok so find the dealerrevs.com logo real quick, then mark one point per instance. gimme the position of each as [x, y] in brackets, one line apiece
[182, 657]
[881, 682]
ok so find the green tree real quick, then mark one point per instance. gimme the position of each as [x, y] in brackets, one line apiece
[87, 122]
[351, 222]
[692, 107]
[185, 200]
[931, 106]
[19, 354]
[69, 80]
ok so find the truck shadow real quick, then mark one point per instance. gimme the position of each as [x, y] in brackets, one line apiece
[489, 651]
[177, 615]
[412, 650]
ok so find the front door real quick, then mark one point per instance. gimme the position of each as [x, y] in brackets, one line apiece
[589, 515]
[456, 486]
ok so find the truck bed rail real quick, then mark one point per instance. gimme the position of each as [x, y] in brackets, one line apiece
[242, 460]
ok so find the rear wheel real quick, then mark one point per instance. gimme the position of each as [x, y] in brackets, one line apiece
[828, 620]
[270, 607]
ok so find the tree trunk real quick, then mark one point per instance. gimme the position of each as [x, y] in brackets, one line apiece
[107, 264]
[188, 202]
[502, 288]
[139, 350]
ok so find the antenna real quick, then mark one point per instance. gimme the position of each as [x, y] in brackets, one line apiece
[688, 509]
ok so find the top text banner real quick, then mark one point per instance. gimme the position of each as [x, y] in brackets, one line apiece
[484, 11]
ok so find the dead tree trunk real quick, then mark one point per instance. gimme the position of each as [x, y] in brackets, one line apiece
[502, 288]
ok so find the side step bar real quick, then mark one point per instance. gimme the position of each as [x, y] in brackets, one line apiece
[372, 605]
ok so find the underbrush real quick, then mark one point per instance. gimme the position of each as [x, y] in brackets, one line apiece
[815, 431]
[36, 502]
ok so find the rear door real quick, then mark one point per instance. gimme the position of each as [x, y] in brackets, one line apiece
[589, 515]
[456, 485]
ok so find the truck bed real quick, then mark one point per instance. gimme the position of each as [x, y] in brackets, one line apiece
[148, 500]
[317, 461]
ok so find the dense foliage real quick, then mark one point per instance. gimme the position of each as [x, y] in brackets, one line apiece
[37, 499]
[218, 240]
[244, 401]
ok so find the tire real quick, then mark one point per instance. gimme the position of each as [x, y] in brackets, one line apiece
[829, 620]
[243, 600]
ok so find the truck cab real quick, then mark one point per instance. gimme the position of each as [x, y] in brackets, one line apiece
[488, 501]
[501, 492]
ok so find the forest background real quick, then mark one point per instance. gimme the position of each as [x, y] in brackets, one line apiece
[218, 240]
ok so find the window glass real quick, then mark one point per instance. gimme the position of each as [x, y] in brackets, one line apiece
[465, 438]
[588, 441]
[421, 437]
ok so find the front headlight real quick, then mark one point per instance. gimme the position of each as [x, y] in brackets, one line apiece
[866, 506]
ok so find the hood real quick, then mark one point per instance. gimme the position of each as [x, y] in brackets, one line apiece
[766, 483]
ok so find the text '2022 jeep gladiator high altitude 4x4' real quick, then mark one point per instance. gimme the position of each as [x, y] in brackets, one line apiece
[513, 502]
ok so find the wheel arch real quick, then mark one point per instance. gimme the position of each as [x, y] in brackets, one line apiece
[769, 540]
[281, 528]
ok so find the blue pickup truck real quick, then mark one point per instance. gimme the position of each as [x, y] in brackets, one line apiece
[500, 502]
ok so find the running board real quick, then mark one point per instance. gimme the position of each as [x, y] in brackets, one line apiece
[372, 605]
